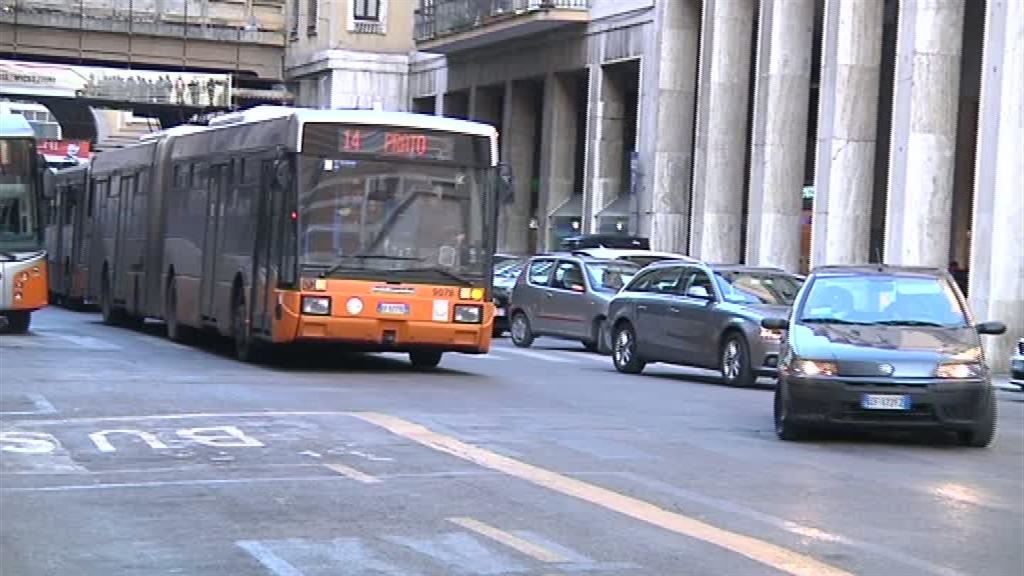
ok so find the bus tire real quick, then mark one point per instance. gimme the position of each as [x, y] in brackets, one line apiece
[425, 359]
[18, 321]
[246, 348]
[175, 331]
[111, 316]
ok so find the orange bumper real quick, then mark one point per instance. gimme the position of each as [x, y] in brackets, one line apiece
[398, 335]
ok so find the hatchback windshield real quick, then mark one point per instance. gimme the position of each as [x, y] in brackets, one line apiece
[883, 299]
[611, 276]
[758, 287]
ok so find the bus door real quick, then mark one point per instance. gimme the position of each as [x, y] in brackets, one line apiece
[211, 247]
[262, 292]
[123, 219]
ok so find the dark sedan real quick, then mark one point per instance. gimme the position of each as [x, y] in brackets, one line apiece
[698, 315]
[887, 347]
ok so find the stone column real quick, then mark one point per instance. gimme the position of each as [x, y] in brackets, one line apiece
[609, 145]
[996, 283]
[558, 149]
[778, 154]
[720, 147]
[851, 58]
[667, 101]
[517, 150]
[925, 103]
[592, 157]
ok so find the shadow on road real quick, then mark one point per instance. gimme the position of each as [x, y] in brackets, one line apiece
[295, 358]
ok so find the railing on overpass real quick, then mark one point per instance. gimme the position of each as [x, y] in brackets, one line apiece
[197, 19]
[439, 18]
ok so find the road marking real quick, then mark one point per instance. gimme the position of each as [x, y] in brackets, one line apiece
[187, 416]
[534, 355]
[155, 340]
[772, 555]
[169, 483]
[277, 565]
[42, 406]
[511, 540]
[352, 473]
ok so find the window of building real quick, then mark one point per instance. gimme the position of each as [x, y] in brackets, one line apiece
[366, 10]
[312, 17]
[367, 16]
[294, 32]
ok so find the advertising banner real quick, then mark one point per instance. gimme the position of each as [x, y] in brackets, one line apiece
[65, 149]
[115, 84]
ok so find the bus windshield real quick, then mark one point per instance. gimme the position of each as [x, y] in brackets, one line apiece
[17, 193]
[391, 216]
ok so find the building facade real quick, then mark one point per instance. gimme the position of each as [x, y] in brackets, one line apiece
[350, 53]
[786, 133]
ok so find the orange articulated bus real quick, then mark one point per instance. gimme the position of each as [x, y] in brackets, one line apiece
[23, 280]
[371, 230]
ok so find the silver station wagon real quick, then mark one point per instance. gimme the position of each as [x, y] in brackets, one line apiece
[694, 314]
[566, 296]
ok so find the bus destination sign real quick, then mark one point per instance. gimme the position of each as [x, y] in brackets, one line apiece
[396, 143]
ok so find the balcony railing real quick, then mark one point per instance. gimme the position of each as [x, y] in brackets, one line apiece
[439, 18]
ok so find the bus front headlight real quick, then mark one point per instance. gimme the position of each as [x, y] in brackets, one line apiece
[316, 305]
[468, 314]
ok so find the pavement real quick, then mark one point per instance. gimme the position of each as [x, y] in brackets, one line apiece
[124, 454]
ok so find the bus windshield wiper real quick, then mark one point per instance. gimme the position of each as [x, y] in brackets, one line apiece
[443, 272]
[821, 320]
[362, 266]
[911, 323]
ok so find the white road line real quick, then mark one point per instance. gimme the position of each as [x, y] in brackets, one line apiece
[87, 342]
[534, 355]
[514, 542]
[352, 473]
[156, 341]
[169, 483]
[277, 565]
[42, 405]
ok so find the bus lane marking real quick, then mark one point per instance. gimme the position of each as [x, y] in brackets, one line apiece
[528, 548]
[352, 473]
[764, 552]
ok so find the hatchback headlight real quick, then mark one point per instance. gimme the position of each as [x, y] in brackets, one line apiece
[467, 314]
[959, 370]
[813, 368]
[316, 305]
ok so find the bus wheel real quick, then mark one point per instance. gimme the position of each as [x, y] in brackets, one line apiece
[245, 346]
[111, 316]
[425, 358]
[18, 322]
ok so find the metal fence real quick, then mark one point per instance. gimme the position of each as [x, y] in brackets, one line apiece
[437, 18]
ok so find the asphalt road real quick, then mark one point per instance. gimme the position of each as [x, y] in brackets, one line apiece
[125, 454]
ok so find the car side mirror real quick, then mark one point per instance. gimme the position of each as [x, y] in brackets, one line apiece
[698, 292]
[775, 323]
[991, 328]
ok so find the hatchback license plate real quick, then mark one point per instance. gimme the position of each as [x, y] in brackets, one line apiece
[885, 402]
[392, 308]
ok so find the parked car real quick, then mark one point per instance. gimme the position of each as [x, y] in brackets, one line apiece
[883, 346]
[694, 314]
[639, 257]
[505, 275]
[1017, 365]
[566, 296]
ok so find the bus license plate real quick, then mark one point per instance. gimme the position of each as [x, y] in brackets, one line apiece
[393, 308]
[885, 402]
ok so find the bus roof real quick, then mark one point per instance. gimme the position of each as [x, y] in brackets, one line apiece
[373, 117]
[15, 126]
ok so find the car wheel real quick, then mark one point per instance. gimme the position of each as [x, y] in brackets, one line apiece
[624, 350]
[522, 335]
[982, 434]
[735, 361]
[783, 429]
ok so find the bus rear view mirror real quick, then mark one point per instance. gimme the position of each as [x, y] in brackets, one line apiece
[506, 190]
